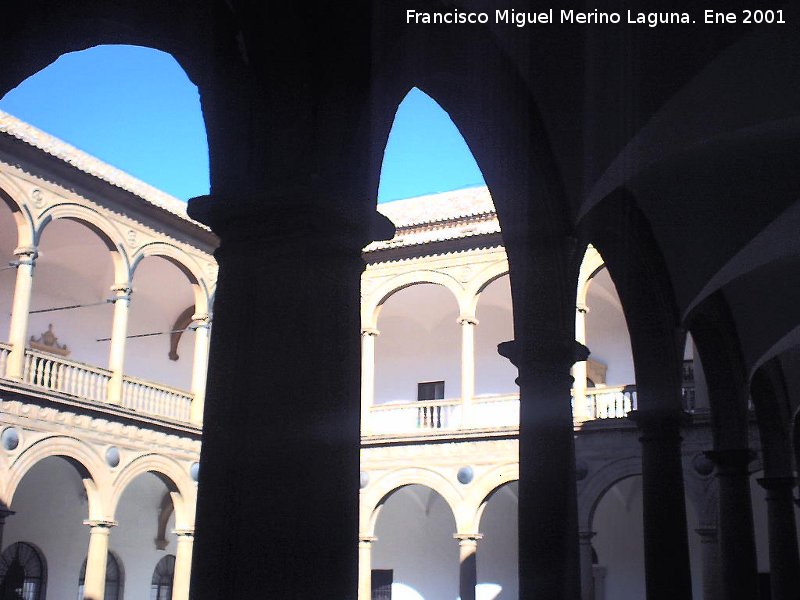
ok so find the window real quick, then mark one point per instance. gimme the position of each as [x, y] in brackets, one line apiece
[22, 572]
[430, 390]
[382, 584]
[113, 579]
[161, 584]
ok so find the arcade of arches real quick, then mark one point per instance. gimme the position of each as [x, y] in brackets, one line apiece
[648, 145]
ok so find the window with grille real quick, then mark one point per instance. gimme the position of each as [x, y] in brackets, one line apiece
[382, 584]
[161, 584]
[22, 572]
[114, 579]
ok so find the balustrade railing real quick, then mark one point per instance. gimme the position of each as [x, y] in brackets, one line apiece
[487, 412]
[410, 417]
[611, 402]
[495, 411]
[87, 382]
[58, 374]
[153, 399]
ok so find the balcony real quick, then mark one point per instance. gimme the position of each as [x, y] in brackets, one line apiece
[492, 413]
[61, 378]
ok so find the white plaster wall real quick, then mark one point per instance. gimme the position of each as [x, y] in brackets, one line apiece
[494, 374]
[498, 551]
[420, 340]
[606, 331]
[619, 541]
[133, 540]
[74, 267]
[415, 539]
[50, 507]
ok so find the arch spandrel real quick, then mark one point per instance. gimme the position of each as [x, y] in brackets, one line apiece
[81, 455]
[171, 473]
[372, 304]
[483, 280]
[13, 196]
[484, 487]
[374, 496]
[592, 262]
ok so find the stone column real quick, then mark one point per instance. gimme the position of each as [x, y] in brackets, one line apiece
[365, 567]
[783, 552]
[367, 377]
[119, 334]
[18, 330]
[94, 584]
[666, 543]
[709, 545]
[467, 368]
[282, 413]
[587, 565]
[468, 564]
[183, 564]
[549, 564]
[737, 546]
[202, 330]
[580, 407]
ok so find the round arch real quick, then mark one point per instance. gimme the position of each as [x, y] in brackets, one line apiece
[483, 280]
[175, 478]
[590, 494]
[486, 486]
[95, 222]
[375, 495]
[80, 455]
[185, 264]
[371, 306]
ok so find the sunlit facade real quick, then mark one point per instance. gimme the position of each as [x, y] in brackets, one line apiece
[108, 294]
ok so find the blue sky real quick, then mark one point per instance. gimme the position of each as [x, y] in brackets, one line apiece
[135, 109]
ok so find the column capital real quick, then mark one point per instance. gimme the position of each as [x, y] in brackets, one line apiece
[582, 308]
[707, 534]
[731, 461]
[370, 331]
[585, 537]
[292, 219]
[467, 320]
[545, 356]
[468, 539]
[365, 541]
[184, 533]
[200, 321]
[101, 524]
[121, 291]
[26, 255]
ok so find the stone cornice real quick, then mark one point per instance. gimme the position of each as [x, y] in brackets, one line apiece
[102, 430]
